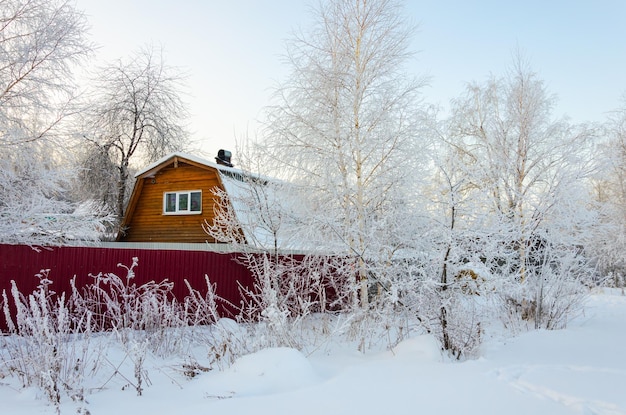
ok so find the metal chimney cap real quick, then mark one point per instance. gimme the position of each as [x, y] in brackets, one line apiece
[223, 158]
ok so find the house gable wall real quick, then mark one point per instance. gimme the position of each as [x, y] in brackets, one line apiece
[147, 223]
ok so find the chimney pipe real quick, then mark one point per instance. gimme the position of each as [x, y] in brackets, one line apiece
[223, 158]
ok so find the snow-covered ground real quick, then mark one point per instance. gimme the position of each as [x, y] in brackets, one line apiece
[580, 370]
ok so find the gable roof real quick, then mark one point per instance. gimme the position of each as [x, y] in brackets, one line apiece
[152, 168]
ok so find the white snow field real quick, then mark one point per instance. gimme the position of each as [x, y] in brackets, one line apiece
[579, 370]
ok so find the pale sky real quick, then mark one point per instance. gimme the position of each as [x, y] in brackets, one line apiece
[231, 50]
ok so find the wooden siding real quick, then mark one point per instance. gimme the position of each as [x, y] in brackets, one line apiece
[145, 220]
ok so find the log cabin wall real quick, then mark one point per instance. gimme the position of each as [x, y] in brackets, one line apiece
[146, 221]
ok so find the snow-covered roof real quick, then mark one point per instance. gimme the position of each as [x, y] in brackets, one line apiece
[190, 157]
[266, 209]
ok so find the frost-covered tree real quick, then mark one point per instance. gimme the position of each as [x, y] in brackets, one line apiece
[41, 42]
[344, 124]
[458, 257]
[137, 114]
[533, 169]
[35, 204]
[609, 239]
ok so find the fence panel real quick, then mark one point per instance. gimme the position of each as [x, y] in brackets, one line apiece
[21, 263]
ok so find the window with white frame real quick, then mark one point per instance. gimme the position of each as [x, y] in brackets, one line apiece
[188, 202]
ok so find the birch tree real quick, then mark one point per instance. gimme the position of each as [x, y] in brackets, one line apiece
[344, 121]
[533, 168]
[137, 115]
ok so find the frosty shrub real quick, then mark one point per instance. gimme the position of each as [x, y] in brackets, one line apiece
[52, 343]
[117, 303]
[49, 347]
[287, 292]
[224, 341]
[274, 301]
[143, 318]
[388, 319]
[615, 278]
[452, 315]
[201, 309]
[618, 279]
[552, 293]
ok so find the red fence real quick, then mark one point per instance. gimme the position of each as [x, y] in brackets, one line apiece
[20, 263]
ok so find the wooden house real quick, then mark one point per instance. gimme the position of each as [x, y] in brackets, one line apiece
[173, 197]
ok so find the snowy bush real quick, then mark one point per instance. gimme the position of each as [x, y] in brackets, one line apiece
[50, 342]
[118, 304]
[223, 338]
[451, 314]
[553, 292]
[277, 300]
[49, 347]
[202, 309]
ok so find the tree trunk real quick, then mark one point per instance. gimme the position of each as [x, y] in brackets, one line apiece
[121, 189]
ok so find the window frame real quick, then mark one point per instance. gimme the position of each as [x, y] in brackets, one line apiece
[177, 210]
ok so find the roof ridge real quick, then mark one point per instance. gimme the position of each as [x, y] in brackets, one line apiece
[189, 157]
